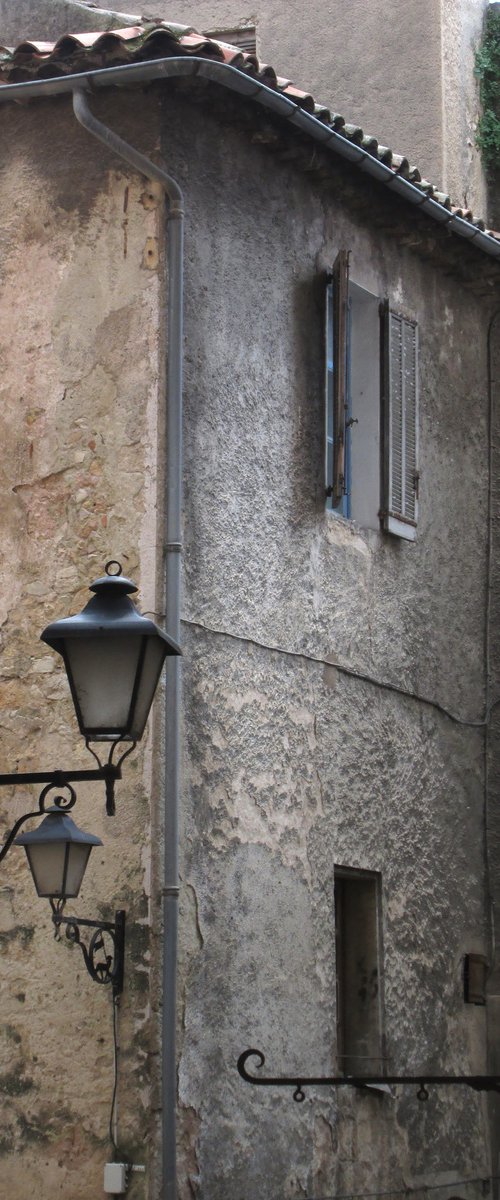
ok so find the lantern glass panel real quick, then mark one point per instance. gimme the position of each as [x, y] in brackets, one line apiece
[153, 661]
[78, 858]
[102, 673]
[58, 867]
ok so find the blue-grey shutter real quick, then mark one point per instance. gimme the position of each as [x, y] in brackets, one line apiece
[400, 441]
[337, 378]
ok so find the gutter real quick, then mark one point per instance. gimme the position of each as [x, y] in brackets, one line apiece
[275, 102]
[170, 890]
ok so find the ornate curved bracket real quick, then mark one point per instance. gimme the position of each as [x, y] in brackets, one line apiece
[105, 953]
[63, 803]
[480, 1083]
[108, 773]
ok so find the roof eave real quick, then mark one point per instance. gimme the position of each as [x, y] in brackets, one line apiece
[277, 103]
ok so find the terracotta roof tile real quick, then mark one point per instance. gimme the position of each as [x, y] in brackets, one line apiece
[268, 75]
[157, 39]
[370, 144]
[354, 133]
[32, 48]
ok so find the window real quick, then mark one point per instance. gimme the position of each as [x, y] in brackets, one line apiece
[244, 37]
[357, 953]
[371, 408]
[400, 433]
[338, 388]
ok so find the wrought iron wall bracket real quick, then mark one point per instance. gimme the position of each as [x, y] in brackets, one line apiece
[480, 1083]
[102, 966]
[53, 781]
[107, 773]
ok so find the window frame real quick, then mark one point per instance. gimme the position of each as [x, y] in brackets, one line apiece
[399, 519]
[242, 37]
[337, 388]
[350, 1063]
[391, 502]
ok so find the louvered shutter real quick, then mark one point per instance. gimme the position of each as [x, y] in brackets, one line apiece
[400, 450]
[337, 378]
[243, 36]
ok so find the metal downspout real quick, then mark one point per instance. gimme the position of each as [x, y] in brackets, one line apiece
[175, 218]
[492, 1048]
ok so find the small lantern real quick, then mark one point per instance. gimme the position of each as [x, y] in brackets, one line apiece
[58, 853]
[113, 658]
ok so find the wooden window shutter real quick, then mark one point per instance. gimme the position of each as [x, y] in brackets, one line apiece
[400, 425]
[337, 376]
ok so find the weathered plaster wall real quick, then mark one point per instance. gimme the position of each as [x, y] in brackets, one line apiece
[81, 399]
[462, 171]
[45, 19]
[292, 768]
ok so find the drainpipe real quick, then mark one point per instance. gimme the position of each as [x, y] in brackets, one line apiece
[490, 846]
[175, 219]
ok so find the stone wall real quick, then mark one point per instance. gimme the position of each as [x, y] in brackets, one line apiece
[81, 407]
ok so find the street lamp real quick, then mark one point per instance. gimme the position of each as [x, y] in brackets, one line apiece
[113, 658]
[58, 853]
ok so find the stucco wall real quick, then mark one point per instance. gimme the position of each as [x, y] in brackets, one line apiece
[290, 767]
[403, 71]
[81, 401]
[45, 19]
[462, 171]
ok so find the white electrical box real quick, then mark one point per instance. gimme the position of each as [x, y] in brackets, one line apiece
[115, 1179]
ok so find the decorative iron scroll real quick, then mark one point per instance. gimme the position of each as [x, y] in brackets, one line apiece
[102, 966]
[108, 772]
[480, 1083]
[63, 803]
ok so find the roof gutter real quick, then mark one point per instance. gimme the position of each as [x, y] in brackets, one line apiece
[173, 547]
[275, 102]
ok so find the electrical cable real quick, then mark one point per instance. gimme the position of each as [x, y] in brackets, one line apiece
[112, 1114]
[118, 1153]
[405, 1191]
[384, 685]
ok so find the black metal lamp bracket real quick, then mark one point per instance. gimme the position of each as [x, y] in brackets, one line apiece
[104, 956]
[480, 1083]
[107, 773]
